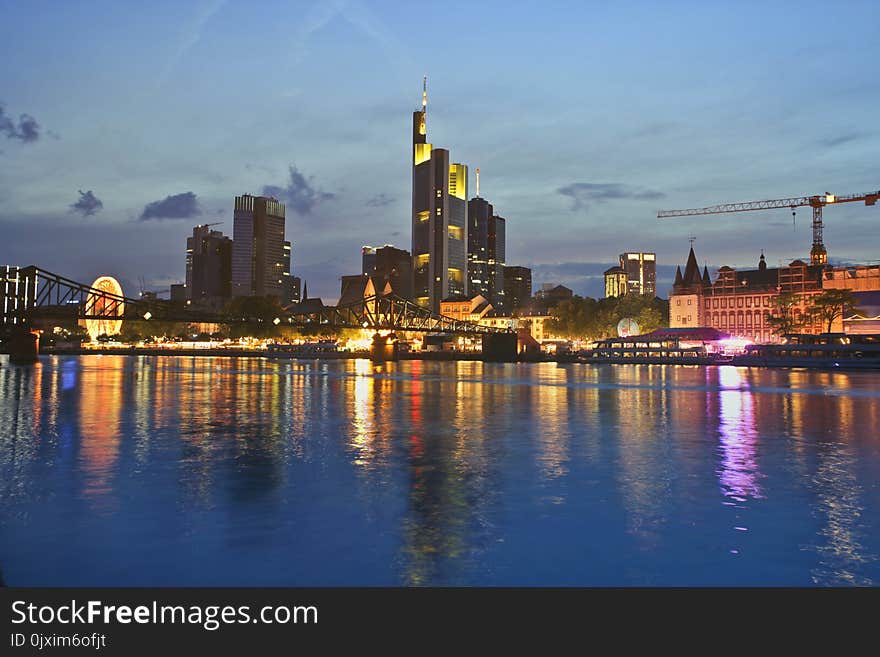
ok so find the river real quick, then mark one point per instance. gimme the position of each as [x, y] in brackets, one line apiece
[152, 470]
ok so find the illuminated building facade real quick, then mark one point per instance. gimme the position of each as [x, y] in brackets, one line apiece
[387, 264]
[641, 272]
[439, 219]
[466, 309]
[740, 302]
[517, 287]
[616, 282]
[208, 265]
[258, 253]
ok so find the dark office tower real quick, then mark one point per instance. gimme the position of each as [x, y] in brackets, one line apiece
[387, 264]
[439, 219]
[641, 272]
[479, 214]
[258, 247]
[208, 265]
[368, 259]
[486, 238]
[517, 287]
[295, 287]
[496, 261]
[289, 296]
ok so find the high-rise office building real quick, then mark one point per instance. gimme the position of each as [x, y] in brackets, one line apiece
[258, 255]
[517, 287]
[439, 219]
[641, 272]
[387, 264]
[208, 265]
[486, 249]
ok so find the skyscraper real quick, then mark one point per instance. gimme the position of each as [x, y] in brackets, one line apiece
[439, 218]
[258, 247]
[641, 272]
[208, 265]
[517, 287]
[486, 250]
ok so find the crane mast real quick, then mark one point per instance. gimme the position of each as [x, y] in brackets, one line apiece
[818, 253]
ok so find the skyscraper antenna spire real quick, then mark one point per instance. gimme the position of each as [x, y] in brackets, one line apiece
[425, 94]
[478, 182]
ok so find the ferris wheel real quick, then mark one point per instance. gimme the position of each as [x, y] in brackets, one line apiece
[99, 305]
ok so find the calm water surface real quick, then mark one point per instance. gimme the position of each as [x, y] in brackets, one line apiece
[122, 470]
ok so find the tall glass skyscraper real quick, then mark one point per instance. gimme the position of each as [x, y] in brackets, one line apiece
[439, 218]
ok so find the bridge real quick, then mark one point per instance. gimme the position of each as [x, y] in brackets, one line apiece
[30, 296]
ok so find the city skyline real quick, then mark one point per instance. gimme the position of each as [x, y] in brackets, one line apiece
[134, 139]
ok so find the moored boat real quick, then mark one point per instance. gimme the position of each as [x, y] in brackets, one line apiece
[827, 350]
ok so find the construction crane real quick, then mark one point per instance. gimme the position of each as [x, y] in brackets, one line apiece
[818, 254]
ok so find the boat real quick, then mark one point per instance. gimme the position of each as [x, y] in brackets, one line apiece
[826, 350]
[671, 346]
[322, 349]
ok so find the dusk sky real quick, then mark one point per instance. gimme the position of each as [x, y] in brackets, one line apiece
[124, 124]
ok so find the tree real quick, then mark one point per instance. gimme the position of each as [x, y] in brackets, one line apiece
[783, 319]
[831, 304]
[253, 316]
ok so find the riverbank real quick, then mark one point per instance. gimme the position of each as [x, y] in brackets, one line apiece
[226, 352]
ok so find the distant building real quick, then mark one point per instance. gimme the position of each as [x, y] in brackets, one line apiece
[552, 294]
[258, 243]
[616, 282]
[517, 287]
[439, 219]
[387, 264]
[288, 294]
[352, 288]
[179, 293]
[208, 265]
[641, 271]
[295, 287]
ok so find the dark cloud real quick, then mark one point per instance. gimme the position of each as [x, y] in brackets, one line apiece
[27, 130]
[840, 140]
[300, 195]
[380, 201]
[88, 204]
[178, 206]
[582, 193]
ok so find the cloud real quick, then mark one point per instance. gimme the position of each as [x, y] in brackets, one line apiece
[178, 206]
[88, 204]
[300, 195]
[27, 131]
[840, 140]
[380, 201]
[583, 194]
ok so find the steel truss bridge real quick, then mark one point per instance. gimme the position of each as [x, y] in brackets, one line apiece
[30, 296]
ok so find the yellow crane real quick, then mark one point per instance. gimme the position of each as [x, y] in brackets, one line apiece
[818, 254]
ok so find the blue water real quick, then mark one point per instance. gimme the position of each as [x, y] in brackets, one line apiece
[216, 471]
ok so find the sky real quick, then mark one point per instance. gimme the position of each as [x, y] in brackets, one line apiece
[124, 124]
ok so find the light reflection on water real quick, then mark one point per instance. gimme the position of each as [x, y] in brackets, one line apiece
[146, 470]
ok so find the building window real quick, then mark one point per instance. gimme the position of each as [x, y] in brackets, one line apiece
[689, 319]
[678, 319]
[678, 302]
[689, 302]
